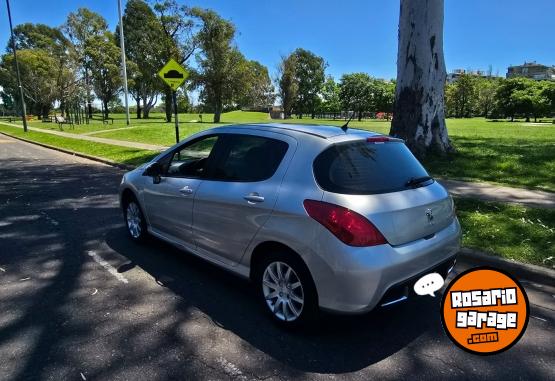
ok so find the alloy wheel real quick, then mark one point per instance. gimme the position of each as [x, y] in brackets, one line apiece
[134, 221]
[283, 291]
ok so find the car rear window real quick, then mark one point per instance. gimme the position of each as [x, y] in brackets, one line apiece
[362, 167]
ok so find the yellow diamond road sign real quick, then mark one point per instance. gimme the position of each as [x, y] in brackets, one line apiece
[173, 74]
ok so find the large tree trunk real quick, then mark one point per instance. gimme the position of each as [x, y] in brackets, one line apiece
[419, 115]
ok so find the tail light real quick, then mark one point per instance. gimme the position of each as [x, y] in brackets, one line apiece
[349, 227]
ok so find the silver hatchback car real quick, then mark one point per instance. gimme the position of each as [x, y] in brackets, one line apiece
[317, 217]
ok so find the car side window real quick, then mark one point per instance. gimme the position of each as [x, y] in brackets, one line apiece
[249, 158]
[191, 160]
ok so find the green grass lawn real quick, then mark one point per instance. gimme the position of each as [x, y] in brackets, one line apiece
[115, 153]
[512, 153]
[509, 231]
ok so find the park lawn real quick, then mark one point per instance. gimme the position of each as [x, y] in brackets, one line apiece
[118, 154]
[509, 231]
[512, 153]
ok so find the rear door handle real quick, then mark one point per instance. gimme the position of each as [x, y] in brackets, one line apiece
[186, 190]
[253, 198]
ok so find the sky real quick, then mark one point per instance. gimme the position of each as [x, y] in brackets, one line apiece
[351, 35]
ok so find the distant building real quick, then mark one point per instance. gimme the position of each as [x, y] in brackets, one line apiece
[456, 73]
[532, 70]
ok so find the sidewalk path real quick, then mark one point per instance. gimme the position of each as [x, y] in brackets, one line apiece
[499, 193]
[477, 190]
[121, 143]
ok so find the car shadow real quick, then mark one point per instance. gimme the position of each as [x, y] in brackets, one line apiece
[335, 344]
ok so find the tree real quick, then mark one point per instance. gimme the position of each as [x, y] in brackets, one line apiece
[384, 96]
[486, 88]
[80, 27]
[288, 85]
[331, 101]
[38, 74]
[507, 101]
[461, 96]
[145, 46]
[255, 90]
[218, 61]
[105, 67]
[180, 41]
[418, 115]
[310, 77]
[356, 93]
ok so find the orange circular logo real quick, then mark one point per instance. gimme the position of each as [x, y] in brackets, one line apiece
[484, 311]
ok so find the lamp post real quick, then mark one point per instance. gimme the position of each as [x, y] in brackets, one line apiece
[122, 47]
[24, 112]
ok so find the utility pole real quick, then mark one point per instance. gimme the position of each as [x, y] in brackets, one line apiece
[122, 47]
[23, 110]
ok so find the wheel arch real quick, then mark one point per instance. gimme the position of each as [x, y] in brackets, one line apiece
[265, 247]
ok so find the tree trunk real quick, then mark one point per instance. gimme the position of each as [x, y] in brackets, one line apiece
[106, 113]
[88, 88]
[138, 100]
[419, 114]
[217, 111]
[168, 104]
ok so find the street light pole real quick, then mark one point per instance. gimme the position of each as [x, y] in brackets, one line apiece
[122, 47]
[24, 112]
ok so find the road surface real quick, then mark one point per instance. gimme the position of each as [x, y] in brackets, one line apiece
[79, 301]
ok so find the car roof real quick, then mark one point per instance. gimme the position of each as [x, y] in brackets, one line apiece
[319, 130]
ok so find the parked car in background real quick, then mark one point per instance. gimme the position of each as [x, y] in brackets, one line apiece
[316, 216]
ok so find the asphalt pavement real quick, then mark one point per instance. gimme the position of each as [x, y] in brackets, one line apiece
[80, 301]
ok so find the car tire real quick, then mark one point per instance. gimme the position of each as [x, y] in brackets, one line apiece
[134, 218]
[286, 289]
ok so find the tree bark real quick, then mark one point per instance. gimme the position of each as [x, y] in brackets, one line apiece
[419, 115]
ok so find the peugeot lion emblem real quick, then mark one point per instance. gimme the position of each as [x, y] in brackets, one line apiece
[430, 216]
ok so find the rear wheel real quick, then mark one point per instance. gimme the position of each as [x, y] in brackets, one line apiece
[134, 219]
[287, 290]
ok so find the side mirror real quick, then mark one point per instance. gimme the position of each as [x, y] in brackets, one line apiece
[154, 170]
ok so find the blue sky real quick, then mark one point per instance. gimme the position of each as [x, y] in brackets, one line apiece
[352, 35]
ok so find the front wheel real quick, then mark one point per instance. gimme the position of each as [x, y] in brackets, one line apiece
[135, 221]
[287, 290]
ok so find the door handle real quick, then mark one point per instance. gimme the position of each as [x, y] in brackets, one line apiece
[186, 190]
[253, 198]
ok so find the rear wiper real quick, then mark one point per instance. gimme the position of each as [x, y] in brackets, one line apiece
[414, 182]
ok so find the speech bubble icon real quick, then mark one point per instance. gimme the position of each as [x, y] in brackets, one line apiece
[428, 284]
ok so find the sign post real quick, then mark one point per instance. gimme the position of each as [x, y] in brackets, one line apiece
[174, 75]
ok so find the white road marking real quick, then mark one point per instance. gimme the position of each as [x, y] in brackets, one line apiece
[98, 259]
[83, 376]
[24, 279]
[2, 269]
[539, 318]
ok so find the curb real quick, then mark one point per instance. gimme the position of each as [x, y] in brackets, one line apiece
[520, 270]
[83, 155]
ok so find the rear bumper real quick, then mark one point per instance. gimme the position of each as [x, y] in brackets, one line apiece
[361, 279]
